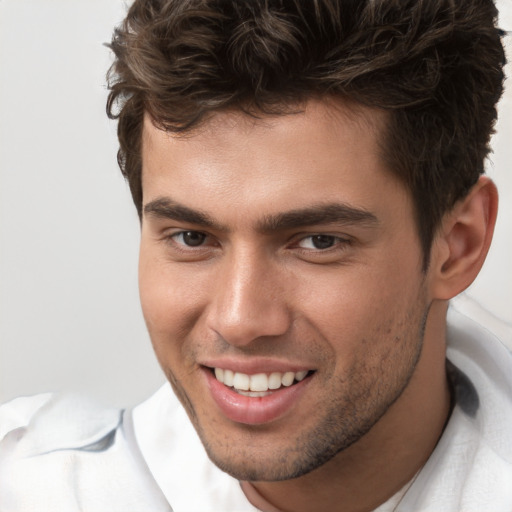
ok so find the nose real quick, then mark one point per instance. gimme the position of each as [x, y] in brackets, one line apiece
[248, 302]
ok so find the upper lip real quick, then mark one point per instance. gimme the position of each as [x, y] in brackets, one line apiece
[255, 365]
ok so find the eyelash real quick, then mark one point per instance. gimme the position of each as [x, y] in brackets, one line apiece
[338, 243]
[181, 246]
[184, 233]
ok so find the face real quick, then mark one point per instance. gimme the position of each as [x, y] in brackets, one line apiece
[281, 283]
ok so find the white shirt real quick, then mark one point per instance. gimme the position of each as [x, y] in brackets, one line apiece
[63, 454]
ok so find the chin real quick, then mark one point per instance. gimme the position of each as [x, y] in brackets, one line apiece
[267, 461]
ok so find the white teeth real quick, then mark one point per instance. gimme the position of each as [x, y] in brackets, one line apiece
[300, 375]
[241, 381]
[259, 383]
[253, 394]
[274, 381]
[287, 379]
[229, 377]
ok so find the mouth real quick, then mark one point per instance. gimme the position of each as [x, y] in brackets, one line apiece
[258, 384]
[256, 398]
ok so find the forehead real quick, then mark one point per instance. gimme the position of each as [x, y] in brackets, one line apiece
[314, 116]
[328, 151]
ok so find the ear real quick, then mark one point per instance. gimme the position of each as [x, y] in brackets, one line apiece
[463, 240]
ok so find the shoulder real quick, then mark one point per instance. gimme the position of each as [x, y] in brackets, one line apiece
[60, 453]
[471, 466]
[480, 345]
[466, 316]
[19, 412]
[49, 422]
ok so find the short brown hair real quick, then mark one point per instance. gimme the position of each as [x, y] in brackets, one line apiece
[435, 65]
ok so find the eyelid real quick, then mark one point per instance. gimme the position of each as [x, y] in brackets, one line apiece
[170, 237]
[183, 232]
[338, 239]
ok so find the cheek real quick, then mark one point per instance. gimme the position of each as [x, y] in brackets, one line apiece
[362, 314]
[171, 300]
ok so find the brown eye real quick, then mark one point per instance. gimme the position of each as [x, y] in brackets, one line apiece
[323, 241]
[319, 242]
[190, 238]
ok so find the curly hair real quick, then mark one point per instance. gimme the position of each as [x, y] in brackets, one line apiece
[435, 66]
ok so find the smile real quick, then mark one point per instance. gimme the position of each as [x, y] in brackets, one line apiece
[258, 396]
[259, 384]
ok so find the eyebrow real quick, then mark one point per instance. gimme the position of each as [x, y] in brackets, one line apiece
[329, 213]
[166, 208]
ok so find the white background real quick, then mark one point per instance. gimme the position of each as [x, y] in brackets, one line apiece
[69, 311]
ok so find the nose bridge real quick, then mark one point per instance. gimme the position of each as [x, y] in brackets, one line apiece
[248, 302]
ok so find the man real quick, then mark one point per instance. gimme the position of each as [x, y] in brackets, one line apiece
[308, 177]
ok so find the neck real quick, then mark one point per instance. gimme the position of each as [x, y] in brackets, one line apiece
[380, 463]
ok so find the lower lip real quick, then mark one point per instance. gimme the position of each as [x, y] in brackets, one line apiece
[254, 410]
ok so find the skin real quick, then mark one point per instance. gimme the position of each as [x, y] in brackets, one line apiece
[360, 312]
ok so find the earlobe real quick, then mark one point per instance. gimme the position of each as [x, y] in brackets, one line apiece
[463, 240]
